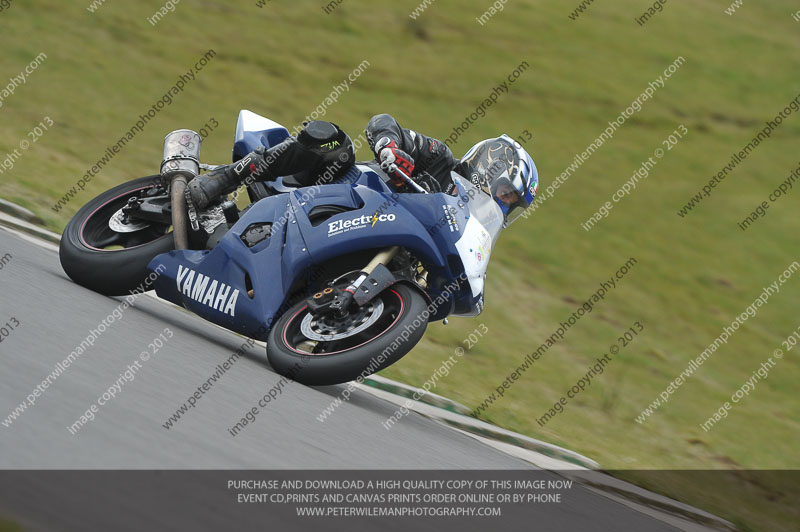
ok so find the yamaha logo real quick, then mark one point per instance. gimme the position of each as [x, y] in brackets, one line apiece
[215, 295]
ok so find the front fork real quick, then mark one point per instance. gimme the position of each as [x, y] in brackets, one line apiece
[371, 281]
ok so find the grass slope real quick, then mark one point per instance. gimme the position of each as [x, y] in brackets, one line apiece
[694, 275]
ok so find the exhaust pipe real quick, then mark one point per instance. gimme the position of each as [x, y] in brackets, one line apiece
[181, 164]
[180, 229]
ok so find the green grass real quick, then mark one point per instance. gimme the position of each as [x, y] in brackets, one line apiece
[693, 276]
[7, 525]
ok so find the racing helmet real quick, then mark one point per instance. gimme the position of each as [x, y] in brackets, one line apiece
[502, 168]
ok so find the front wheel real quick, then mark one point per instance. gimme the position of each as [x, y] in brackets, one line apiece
[320, 351]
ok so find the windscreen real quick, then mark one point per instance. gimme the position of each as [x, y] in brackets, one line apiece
[481, 206]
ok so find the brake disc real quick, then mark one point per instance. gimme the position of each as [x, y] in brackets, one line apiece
[117, 223]
[327, 329]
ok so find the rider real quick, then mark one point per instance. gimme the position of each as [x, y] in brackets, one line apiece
[320, 148]
[500, 167]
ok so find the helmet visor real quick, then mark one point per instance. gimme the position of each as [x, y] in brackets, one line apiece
[507, 196]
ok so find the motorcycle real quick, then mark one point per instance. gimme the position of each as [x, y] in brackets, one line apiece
[340, 279]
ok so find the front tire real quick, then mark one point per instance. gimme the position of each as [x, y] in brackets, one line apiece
[106, 261]
[397, 330]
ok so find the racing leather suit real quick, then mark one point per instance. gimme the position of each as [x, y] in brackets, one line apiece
[430, 155]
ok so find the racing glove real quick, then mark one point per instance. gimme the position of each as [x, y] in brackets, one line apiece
[394, 161]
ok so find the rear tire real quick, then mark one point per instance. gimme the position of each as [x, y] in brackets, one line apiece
[111, 272]
[404, 315]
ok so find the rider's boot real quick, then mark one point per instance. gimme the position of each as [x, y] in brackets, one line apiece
[261, 164]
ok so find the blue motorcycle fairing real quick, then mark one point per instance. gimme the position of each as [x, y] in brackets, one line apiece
[213, 283]
[445, 219]
[379, 222]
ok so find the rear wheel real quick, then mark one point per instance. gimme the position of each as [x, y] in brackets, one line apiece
[104, 250]
[323, 350]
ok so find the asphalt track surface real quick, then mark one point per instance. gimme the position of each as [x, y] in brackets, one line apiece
[55, 315]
